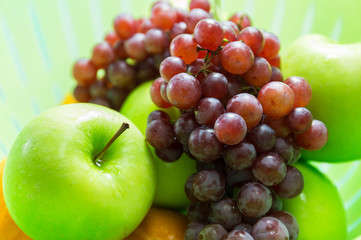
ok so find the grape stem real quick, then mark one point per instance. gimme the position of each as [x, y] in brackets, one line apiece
[99, 157]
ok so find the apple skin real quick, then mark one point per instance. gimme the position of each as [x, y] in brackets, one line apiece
[334, 72]
[171, 177]
[318, 209]
[54, 190]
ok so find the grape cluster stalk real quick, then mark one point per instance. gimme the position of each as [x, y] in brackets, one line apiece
[241, 121]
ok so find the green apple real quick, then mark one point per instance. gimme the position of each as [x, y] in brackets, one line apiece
[55, 188]
[318, 209]
[171, 177]
[334, 72]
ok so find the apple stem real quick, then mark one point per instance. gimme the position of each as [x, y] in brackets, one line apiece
[98, 157]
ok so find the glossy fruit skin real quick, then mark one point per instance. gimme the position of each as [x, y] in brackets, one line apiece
[333, 71]
[54, 190]
[320, 214]
[171, 177]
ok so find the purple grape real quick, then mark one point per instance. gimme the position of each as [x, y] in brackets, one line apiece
[184, 126]
[269, 168]
[284, 149]
[269, 228]
[157, 115]
[289, 221]
[208, 110]
[159, 134]
[170, 154]
[208, 186]
[212, 231]
[193, 230]
[225, 212]
[263, 137]
[238, 235]
[204, 145]
[198, 212]
[240, 156]
[292, 184]
[244, 227]
[254, 199]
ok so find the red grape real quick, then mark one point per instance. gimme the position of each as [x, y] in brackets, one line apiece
[124, 25]
[253, 37]
[259, 74]
[302, 90]
[84, 72]
[203, 4]
[171, 66]
[237, 57]
[193, 17]
[184, 91]
[102, 55]
[163, 16]
[271, 45]
[248, 107]
[314, 138]
[208, 33]
[230, 128]
[277, 99]
[185, 47]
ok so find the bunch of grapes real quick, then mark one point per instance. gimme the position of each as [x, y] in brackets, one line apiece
[129, 55]
[242, 123]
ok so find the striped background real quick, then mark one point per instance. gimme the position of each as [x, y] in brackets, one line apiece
[39, 41]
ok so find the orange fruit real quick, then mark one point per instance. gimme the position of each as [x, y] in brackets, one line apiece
[69, 99]
[161, 224]
[8, 228]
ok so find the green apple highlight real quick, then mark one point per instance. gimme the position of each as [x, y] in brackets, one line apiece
[318, 209]
[54, 189]
[334, 72]
[171, 177]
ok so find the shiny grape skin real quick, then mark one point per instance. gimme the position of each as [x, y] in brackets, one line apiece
[292, 184]
[159, 134]
[248, 107]
[254, 200]
[270, 228]
[208, 110]
[271, 45]
[156, 96]
[253, 37]
[314, 138]
[289, 221]
[240, 156]
[284, 149]
[277, 99]
[259, 74]
[157, 115]
[237, 57]
[302, 90]
[212, 231]
[215, 85]
[225, 212]
[269, 168]
[188, 189]
[184, 91]
[299, 120]
[156, 41]
[230, 128]
[208, 186]
[204, 145]
[238, 235]
[209, 34]
[171, 66]
[243, 227]
[185, 47]
[263, 137]
[184, 126]
[279, 125]
[241, 19]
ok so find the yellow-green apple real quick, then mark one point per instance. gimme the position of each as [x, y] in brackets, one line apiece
[318, 209]
[334, 72]
[171, 177]
[59, 183]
